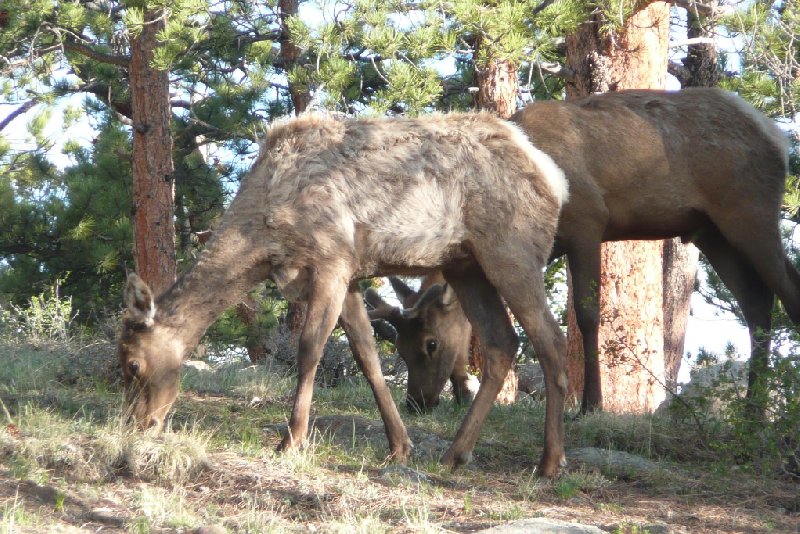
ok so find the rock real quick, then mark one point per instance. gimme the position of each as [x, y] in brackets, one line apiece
[709, 386]
[211, 529]
[542, 525]
[395, 472]
[616, 461]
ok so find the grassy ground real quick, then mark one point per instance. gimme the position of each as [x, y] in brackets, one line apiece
[68, 464]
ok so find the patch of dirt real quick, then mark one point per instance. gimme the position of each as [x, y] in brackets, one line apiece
[311, 494]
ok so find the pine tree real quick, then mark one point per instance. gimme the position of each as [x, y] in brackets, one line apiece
[220, 66]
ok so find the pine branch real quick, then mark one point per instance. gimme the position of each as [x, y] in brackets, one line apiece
[17, 112]
[679, 71]
[541, 7]
[91, 53]
[555, 69]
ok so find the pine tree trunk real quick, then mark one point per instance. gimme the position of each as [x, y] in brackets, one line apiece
[248, 314]
[631, 358]
[153, 185]
[290, 53]
[497, 87]
[680, 273]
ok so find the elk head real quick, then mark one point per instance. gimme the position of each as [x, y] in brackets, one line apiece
[150, 355]
[432, 335]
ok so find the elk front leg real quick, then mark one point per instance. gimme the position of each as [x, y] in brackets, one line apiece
[486, 312]
[524, 293]
[584, 266]
[356, 324]
[324, 304]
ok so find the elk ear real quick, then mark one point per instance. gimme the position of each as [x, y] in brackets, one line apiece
[401, 289]
[140, 307]
[448, 296]
[381, 309]
[432, 295]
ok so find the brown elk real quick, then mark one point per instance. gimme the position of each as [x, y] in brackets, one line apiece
[700, 164]
[432, 338]
[329, 202]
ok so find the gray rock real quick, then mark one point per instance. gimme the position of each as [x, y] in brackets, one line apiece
[196, 365]
[616, 461]
[542, 525]
[397, 472]
[530, 379]
[709, 387]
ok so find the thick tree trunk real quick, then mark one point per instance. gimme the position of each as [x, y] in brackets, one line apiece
[680, 273]
[153, 185]
[497, 87]
[630, 370]
[247, 310]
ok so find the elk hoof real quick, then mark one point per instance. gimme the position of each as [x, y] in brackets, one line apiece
[549, 466]
[401, 453]
[453, 459]
[287, 444]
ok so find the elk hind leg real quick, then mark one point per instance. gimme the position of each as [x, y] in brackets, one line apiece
[356, 324]
[485, 310]
[524, 292]
[755, 299]
[324, 304]
[758, 240]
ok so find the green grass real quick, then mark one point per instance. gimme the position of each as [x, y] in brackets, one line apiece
[216, 464]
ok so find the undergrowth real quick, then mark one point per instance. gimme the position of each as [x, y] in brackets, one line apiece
[61, 425]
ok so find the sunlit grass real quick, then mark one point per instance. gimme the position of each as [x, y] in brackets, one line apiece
[226, 419]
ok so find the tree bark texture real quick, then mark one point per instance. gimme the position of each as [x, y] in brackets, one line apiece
[680, 273]
[631, 357]
[497, 87]
[153, 185]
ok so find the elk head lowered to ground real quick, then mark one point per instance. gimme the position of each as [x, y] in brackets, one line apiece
[329, 202]
[700, 164]
[433, 337]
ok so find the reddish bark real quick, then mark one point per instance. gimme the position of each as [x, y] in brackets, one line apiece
[153, 186]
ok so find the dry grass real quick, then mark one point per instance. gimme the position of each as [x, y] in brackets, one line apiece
[68, 465]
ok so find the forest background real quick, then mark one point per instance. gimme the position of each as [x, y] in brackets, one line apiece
[126, 127]
[70, 197]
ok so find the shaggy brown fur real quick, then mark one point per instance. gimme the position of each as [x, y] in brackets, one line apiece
[330, 202]
[432, 338]
[700, 164]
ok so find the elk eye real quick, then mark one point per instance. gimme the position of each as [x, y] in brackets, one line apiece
[430, 346]
[133, 367]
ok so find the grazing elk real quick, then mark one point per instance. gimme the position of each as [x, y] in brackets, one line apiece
[700, 164]
[329, 202]
[433, 336]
